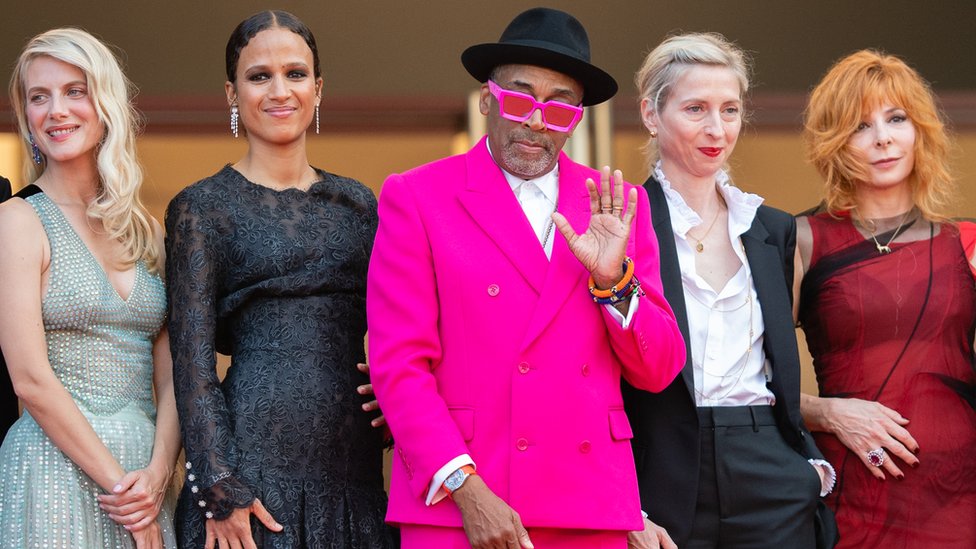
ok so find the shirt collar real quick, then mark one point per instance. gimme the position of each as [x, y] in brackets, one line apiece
[742, 205]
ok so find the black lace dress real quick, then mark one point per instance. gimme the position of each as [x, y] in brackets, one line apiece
[277, 280]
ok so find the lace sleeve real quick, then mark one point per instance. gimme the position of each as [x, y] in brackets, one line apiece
[192, 274]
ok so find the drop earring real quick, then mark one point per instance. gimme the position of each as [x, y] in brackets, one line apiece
[316, 119]
[35, 152]
[233, 119]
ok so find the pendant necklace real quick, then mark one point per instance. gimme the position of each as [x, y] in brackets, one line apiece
[699, 247]
[884, 249]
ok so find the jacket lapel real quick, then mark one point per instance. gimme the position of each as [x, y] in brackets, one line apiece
[671, 272]
[492, 205]
[566, 274]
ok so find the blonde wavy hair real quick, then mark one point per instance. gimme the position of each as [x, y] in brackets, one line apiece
[854, 86]
[677, 54]
[117, 203]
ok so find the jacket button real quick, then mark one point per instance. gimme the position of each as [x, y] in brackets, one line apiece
[584, 447]
[523, 367]
[585, 370]
[493, 290]
[522, 444]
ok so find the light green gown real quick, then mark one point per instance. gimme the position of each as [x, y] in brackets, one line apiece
[100, 347]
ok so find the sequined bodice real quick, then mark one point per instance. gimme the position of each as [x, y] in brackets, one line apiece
[99, 345]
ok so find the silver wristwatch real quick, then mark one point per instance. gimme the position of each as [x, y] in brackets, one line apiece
[456, 479]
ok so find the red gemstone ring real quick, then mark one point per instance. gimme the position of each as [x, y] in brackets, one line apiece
[877, 457]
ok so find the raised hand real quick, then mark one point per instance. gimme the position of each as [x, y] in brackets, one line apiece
[602, 248]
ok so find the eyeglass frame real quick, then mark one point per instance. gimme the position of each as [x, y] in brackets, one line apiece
[499, 93]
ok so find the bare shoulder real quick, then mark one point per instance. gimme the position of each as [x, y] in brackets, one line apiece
[17, 217]
[22, 234]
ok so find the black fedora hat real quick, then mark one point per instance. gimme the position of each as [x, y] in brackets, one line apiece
[546, 38]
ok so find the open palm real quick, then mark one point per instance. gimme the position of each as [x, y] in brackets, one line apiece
[602, 248]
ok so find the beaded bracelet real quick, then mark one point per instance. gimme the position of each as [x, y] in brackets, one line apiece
[628, 268]
[629, 290]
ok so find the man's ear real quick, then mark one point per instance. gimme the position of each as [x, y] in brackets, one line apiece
[484, 102]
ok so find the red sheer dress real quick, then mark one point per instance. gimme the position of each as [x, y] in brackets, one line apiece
[898, 328]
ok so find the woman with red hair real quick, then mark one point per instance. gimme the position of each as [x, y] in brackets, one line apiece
[888, 305]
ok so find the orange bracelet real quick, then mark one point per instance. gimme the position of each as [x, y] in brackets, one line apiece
[628, 267]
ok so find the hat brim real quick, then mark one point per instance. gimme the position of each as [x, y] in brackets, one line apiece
[481, 59]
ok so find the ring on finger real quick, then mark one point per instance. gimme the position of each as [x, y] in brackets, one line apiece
[877, 457]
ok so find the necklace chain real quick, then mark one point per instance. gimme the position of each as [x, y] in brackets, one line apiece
[699, 246]
[886, 248]
[745, 360]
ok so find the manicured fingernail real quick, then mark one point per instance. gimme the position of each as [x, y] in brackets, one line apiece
[900, 477]
[118, 488]
[915, 465]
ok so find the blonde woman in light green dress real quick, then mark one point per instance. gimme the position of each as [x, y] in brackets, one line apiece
[82, 307]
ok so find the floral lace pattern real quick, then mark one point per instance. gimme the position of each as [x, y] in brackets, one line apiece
[277, 280]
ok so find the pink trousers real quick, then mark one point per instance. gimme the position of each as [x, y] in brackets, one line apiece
[414, 536]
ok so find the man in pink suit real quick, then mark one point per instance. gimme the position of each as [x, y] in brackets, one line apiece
[497, 372]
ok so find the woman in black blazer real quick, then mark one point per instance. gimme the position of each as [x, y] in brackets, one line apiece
[722, 455]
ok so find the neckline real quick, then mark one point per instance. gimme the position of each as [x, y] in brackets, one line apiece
[94, 260]
[321, 179]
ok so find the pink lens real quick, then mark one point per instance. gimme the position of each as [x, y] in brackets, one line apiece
[519, 107]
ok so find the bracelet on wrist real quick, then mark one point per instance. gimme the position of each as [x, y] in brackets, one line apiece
[628, 274]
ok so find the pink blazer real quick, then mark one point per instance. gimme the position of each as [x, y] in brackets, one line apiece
[478, 344]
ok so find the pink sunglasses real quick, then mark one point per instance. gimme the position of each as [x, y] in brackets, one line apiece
[519, 107]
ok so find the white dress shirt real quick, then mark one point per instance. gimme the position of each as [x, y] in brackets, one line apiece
[725, 325]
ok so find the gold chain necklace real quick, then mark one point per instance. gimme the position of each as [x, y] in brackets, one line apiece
[699, 247]
[886, 248]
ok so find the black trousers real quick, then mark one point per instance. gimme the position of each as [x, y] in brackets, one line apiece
[754, 490]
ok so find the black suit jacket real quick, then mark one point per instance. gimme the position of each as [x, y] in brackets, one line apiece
[666, 433]
[8, 399]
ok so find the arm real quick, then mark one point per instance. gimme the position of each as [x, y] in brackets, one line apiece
[24, 258]
[192, 274]
[136, 501]
[404, 340]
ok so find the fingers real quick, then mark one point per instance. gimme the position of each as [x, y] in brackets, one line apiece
[379, 421]
[265, 517]
[594, 196]
[211, 537]
[631, 211]
[126, 482]
[364, 368]
[895, 416]
[520, 531]
[606, 200]
[617, 204]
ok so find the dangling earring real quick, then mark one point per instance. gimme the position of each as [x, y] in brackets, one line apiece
[233, 120]
[35, 152]
[653, 134]
[316, 119]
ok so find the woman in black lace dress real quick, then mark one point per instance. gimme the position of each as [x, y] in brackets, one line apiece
[267, 263]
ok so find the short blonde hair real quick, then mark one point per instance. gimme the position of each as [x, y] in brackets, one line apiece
[117, 203]
[666, 63]
[854, 86]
